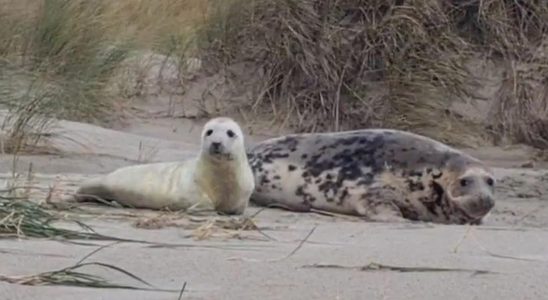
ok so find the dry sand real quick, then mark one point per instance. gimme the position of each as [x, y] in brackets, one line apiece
[513, 244]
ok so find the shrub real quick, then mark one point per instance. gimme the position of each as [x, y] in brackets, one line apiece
[349, 64]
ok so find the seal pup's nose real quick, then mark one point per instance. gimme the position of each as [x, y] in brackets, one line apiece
[216, 147]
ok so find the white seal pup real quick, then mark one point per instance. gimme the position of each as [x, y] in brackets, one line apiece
[219, 178]
[379, 174]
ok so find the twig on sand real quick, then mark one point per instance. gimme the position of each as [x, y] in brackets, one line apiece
[373, 266]
[470, 232]
[234, 226]
[281, 258]
[95, 251]
[204, 227]
[457, 246]
[182, 291]
[257, 227]
[301, 243]
[219, 247]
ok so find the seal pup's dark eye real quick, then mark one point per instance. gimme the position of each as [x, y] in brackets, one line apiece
[209, 132]
[490, 181]
[230, 133]
[463, 182]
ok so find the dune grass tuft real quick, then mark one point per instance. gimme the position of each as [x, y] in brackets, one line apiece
[72, 276]
[313, 65]
[20, 218]
[59, 58]
[515, 34]
[331, 65]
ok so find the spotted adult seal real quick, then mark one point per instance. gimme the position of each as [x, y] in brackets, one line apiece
[219, 178]
[379, 174]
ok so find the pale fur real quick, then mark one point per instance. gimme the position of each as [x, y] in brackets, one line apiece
[203, 182]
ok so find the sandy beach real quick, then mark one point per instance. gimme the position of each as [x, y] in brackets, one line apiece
[291, 255]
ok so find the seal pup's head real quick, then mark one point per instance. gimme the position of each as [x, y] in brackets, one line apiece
[222, 139]
[471, 188]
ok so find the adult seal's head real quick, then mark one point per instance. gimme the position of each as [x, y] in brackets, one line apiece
[222, 140]
[470, 187]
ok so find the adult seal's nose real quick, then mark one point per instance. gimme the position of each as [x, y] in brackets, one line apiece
[487, 202]
[484, 205]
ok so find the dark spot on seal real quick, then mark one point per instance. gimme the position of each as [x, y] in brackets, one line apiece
[350, 160]
[366, 179]
[414, 173]
[415, 186]
[264, 180]
[328, 186]
[477, 222]
[307, 198]
[409, 213]
[402, 164]
[277, 177]
[437, 195]
[291, 168]
[291, 142]
[299, 191]
[343, 196]
[349, 141]
[304, 156]
[270, 154]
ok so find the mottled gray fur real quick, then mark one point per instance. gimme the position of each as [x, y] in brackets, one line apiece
[380, 174]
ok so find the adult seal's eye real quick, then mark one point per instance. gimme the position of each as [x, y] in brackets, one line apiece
[230, 133]
[490, 181]
[209, 132]
[463, 182]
